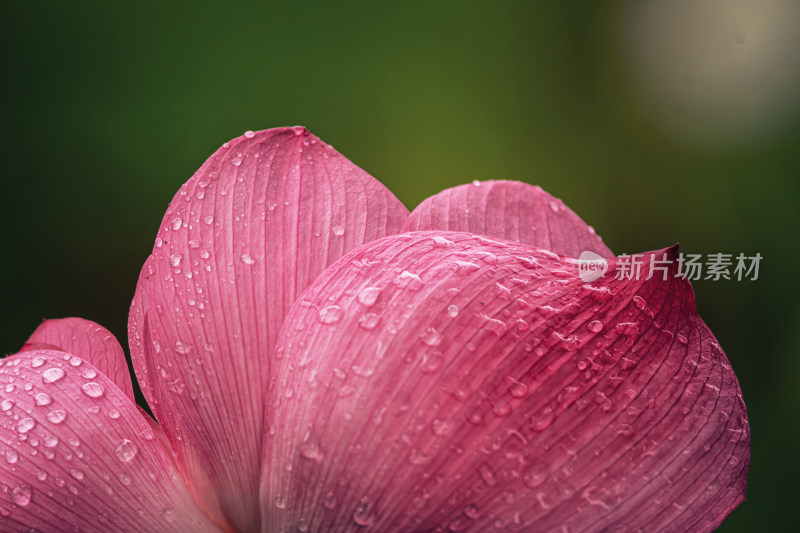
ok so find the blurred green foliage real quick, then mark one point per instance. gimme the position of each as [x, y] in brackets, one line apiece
[108, 108]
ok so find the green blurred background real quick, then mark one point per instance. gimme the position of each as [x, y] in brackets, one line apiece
[656, 124]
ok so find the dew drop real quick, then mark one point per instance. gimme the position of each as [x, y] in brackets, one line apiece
[25, 425]
[56, 417]
[542, 420]
[89, 374]
[51, 375]
[369, 321]
[518, 390]
[338, 231]
[92, 389]
[487, 475]
[442, 427]
[331, 314]
[364, 514]
[369, 295]
[595, 326]
[441, 242]
[330, 501]
[471, 511]
[639, 302]
[247, 260]
[431, 337]
[408, 280]
[310, 451]
[249, 134]
[51, 441]
[452, 310]
[37, 362]
[176, 223]
[22, 495]
[6, 405]
[431, 362]
[536, 474]
[77, 474]
[12, 457]
[208, 219]
[236, 161]
[182, 348]
[175, 259]
[126, 451]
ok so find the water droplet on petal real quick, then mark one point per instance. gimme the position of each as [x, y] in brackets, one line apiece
[52, 375]
[175, 259]
[176, 223]
[126, 451]
[338, 231]
[431, 337]
[247, 260]
[92, 389]
[56, 417]
[310, 451]
[452, 310]
[12, 457]
[37, 362]
[25, 425]
[182, 348]
[639, 302]
[89, 374]
[331, 314]
[249, 134]
[518, 390]
[6, 405]
[369, 295]
[542, 420]
[369, 321]
[208, 219]
[77, 474]
[595, 326]
[22, 495]
[487, 475]
[51, 441]
[364, 514]
[330, 501]
[408, 280]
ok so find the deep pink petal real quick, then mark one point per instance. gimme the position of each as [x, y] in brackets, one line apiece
[438, 380]
[76, 455]
[508, 210]
[88, 340]
[240, 241]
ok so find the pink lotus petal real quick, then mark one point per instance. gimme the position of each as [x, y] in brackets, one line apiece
[240, 241]
[508, 210]
[76, 455]
[89, 342]
[469, 385]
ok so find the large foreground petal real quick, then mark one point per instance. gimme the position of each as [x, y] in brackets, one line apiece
[90, 341]
[471, 385]
[240, 241]
[509, 210]
[76, 455]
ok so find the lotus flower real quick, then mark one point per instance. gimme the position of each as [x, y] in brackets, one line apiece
[319, 359]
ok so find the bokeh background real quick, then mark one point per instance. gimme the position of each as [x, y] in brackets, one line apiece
[657, 121]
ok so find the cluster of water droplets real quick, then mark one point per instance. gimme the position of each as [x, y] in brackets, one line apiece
[39, 417]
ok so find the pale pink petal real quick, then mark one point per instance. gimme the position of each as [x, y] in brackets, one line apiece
[88, 341]
[240, 241]
[76, 455]
[471, 385]
[508, 210]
